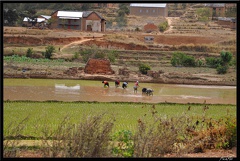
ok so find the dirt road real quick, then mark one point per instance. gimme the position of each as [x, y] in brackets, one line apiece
[75, 43]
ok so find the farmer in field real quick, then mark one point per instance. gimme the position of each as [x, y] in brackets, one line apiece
[124, 85]
[117, 83]
[105, 83]
[136, 87]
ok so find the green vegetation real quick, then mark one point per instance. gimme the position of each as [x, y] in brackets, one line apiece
[203, 14]
[94, 52]
[29, 52]
[17, 58]
[122, 12]
[143, 68]
[91, 129]
[181, 59]
[49, 51]
[222, 63]
[163, 26]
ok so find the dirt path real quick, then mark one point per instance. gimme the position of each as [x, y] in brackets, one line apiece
[170, 20]
[75, 43]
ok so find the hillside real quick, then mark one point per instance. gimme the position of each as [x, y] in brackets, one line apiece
[185, 34]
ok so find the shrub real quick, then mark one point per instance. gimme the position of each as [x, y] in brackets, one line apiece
[124, 147]
[226, 57]
[222, 63]
[199, 63]
[89, 138]
[76, 55]
[181, 59]
[143, 68]
[99, 55]
[163, 26]
[29, 52]
[86, 54]
[112, 55]
[222, 69]
[49, 50]
[213, 62]
[189, 61]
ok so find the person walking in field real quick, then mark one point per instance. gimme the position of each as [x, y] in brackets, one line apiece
[124, 85]
[105, 84]
[136, 87]
[117, 83]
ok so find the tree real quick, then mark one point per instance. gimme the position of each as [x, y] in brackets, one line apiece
[10, 17]
[124, 7]
[143, 68]
[29, 52]
[226, 57]
[49, 50]
[86, 6]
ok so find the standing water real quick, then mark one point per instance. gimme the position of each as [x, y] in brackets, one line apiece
[87, 90]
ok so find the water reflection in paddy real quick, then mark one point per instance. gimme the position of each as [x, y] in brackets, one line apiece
[82, 90]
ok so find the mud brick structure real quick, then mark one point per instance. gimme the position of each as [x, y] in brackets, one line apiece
[150, 27]
[98, 66]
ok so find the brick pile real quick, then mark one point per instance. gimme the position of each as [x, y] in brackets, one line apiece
[98, 66]
[150, 27]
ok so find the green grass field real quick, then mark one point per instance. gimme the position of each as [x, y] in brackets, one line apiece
[51, 114]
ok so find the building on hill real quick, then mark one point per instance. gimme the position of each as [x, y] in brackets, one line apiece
[217, 9]
[83, 21]
[149, 9]
[38, 22]
[227, 22]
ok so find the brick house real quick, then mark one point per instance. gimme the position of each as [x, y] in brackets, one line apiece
[217, 9]
[83, 21]
[149, 9]
[227, 22]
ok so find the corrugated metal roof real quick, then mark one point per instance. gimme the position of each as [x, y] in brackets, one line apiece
[47, 17]
[148, 5]
[215, 4]
[38, 19]
[72, 18]
[87, 13]
[69, 14]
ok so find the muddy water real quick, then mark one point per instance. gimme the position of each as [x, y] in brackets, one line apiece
[79, 90]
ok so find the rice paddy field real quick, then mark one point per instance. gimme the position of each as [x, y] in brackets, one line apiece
[35, 116]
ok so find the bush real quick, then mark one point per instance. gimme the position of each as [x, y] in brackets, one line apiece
[76, 55]
[181, 59]
[226, 57]
[222, 69]
[222, 63]
[49, 50]
[213, 62]
[163, 26]
[112, 55]
[99, 55]
[29, 52]
[124, 147]
[143, 68]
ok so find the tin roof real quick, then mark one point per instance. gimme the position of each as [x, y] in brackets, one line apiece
[38, 19]
[215, 5]
[70, 14]
[47, 17]
[148, 5]
[87, 13]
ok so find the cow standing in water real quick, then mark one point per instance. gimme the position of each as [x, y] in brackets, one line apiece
[147, 91]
